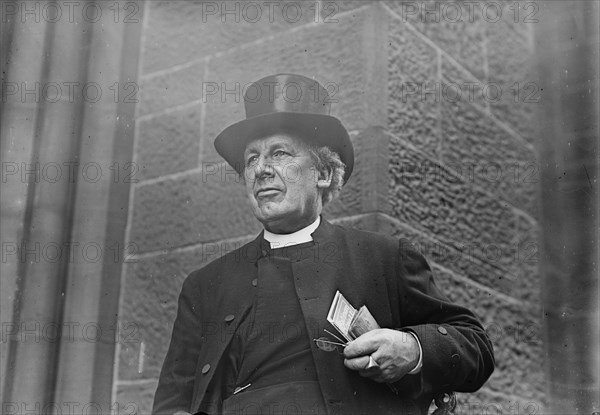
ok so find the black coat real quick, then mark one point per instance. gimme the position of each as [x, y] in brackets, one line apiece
[387, 275]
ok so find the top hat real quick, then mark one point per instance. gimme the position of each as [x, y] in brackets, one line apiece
[286, 103]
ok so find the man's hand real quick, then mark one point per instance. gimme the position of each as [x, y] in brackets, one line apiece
[396, 353]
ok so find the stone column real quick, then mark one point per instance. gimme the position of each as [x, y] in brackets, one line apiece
[85, 361]
[19, 112]
[43, 254]
[81, 62]
[568, 49]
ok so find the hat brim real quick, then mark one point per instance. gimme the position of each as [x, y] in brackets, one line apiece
[317, 129]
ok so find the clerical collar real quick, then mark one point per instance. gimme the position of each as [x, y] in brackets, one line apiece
[299, 237]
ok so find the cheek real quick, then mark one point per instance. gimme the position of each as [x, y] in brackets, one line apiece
[252, 200]
[297, 196]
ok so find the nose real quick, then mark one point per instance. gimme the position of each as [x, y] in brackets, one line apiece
[263, 168]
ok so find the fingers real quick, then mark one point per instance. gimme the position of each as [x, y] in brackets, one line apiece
[389, 349]
[363, 363]
[357, 363]
[363, 345]
[367, 367]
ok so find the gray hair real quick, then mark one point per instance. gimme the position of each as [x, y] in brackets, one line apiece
[327, 160]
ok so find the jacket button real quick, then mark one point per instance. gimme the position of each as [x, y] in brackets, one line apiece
[442, 330]
[265, 252]
[205, 369]
[229, 318]
[254, 282]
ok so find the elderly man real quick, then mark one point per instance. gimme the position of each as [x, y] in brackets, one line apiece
[252, 335]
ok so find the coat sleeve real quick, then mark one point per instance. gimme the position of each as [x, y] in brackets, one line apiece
[457, 353]
[176, 382]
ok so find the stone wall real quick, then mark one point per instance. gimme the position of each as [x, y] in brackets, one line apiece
[440, 112]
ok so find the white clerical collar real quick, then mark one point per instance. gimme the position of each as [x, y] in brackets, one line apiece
[298, 237]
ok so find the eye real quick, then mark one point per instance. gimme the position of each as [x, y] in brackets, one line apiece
[280, 153]
[251, 160]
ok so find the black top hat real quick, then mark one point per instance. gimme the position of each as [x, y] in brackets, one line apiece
[286, 103]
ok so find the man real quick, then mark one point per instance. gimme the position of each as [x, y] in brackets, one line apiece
[251, 334]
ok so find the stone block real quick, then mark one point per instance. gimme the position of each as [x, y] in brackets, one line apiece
[168, 143]
[499, 271]
[330, 9]
[460, 85]
[483, 154]
[166, 90]
[521, 16]
[348, 65]
[511, 65]
[516, 334]
[432, 200]
[347, 203]
[367, 189]
[152, 286]
[350, 202]
[183, 31]
[205, 205]
[526, 264]
[135, 399]
[413, 111]
[454, 27]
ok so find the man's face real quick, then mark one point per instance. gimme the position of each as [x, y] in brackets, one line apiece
[282, 183]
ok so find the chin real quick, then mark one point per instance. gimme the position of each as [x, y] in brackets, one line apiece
[268, 214]
[271, 217]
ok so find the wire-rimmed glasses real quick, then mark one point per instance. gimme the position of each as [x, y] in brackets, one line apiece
[327, 345]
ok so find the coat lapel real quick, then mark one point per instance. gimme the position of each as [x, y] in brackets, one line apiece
[317, 278]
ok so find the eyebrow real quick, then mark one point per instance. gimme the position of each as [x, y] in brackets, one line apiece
[250, 149]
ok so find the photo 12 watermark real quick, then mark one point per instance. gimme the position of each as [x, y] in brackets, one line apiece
[525, 332]
[469, 406]
[470, 171]
[269, 11]
[69, 408]
[468, 11]
[68, 172]
[69, 332]
[69, 92]
[28, 11]
[290, 92]
[475, 252]
[492, 92]
[70, 251]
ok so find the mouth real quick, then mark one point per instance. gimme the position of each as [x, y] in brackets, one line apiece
[267, 192]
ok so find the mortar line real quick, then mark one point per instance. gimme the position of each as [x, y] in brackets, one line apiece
[452, 60]
[473, 185]
[190, 247]
[127, 234]
[434, 240]
[255, 42]
[169, 110]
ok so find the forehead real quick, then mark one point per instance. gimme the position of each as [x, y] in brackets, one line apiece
[279, 139]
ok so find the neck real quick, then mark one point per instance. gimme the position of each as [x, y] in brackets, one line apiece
[285, 226]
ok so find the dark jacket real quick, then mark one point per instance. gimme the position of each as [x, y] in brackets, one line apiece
[387, 275]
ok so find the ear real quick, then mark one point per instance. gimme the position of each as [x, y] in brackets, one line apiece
[324, 179]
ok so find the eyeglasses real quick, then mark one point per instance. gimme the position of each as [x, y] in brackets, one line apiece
[327, 345]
